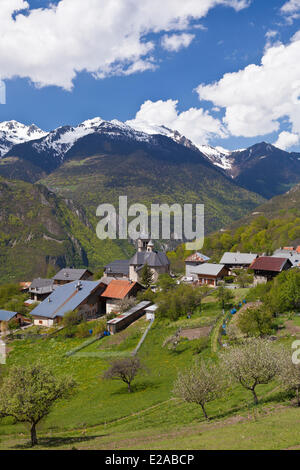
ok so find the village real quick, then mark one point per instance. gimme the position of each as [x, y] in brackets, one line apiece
[137, 338]
[76, 290]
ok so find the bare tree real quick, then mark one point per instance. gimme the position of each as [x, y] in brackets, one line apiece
[253, 363]
[200, 384]
[125, 370]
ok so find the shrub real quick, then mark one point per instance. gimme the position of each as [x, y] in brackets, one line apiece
[83, 330]
[68, 332]
[73, 318]
[201, 345]
[99, 328]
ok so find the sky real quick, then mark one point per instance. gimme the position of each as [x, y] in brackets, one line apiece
[222, 72]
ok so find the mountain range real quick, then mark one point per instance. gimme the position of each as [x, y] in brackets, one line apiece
[30, 154]
[80, 167]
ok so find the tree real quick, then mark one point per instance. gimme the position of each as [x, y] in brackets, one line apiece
[166, 282]
[13, 324]
[51, 271]
[224, 296]
[125, 370]
[146, 276]
[29, 392]
[4, 327]
[124, 305]
[72, 318]
[201, 293]
[284, 294]
[180, 301]
[253, 363]
[200, 384]
[256, 321]
[243, 279]
[290, 375]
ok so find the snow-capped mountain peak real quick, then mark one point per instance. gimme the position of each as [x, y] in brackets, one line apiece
[62, 139]
[14, 133]
[218, 156]
[59, 141]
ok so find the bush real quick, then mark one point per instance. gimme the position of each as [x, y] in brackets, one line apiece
[68, 332]
[83, 330]
[201, 345]
[99, 328]
[229, 279]
[73, 318]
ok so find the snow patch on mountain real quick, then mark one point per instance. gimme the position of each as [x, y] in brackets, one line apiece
[61, 140]
[218, 156]
[14, 133]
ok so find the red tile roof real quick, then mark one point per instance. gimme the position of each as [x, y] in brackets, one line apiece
[268, 263]
[197, 257]
[118, 289]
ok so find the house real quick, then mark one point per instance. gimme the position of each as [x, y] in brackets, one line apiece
[124, 320]
[150, 312]
[84, 296]
[6, 317]
[66, 275]
[293, 256]
[267, 267]
[118, 269]
[117, 290]
[40, 289]
[210, 274]
[238, 260]
[157, 261]
[24, 286]
[194, 260]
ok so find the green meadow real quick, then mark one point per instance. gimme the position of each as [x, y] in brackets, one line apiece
[102, 414]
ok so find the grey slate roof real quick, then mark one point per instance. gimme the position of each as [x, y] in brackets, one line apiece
[154, 259]
[42, 286]
[65, 298]
[294, 257]
[7, 316]
[238, 258]
[68, 274]
[208, 268]
[141, 306]
[118, 267]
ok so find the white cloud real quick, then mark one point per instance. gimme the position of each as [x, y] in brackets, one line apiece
[286, 140]
[102, 37]
[196, 123]
[291, 10]
[291, 6]
[258, 97]
[175, 42]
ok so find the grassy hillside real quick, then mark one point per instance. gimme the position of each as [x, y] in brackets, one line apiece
[168, 173]
[103, 415]
[39, 230]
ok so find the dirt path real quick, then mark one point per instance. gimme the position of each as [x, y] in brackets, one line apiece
[196, 333]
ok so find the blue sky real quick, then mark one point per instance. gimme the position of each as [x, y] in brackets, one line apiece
[226, 42]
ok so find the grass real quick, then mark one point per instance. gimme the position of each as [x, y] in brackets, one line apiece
[103, 415]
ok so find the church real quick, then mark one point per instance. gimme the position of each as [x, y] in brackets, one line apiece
[157, 261]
